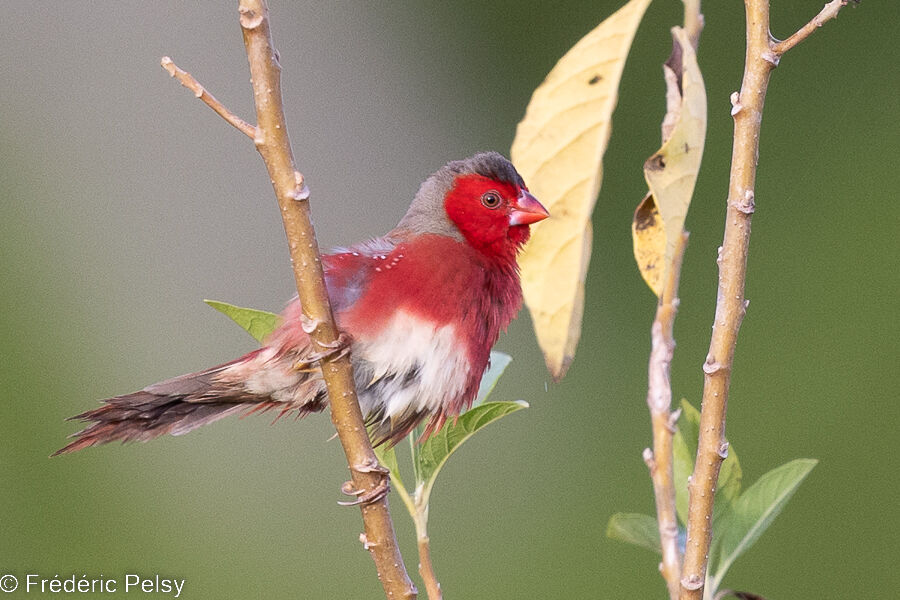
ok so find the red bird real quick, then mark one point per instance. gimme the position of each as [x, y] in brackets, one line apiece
[421, 306]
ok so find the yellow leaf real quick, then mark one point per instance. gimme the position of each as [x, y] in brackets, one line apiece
[558, 150]
[672, 171]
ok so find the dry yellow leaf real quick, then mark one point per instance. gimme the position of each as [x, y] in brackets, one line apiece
[672, 171]
[559, 150]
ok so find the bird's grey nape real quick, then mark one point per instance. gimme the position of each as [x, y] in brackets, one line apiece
[426, 214]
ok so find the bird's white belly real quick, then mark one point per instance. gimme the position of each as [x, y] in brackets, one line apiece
[416, 367]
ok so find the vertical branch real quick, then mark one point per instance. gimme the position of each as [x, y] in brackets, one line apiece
[659, 400]
[693, 21]
[660, 459]
[369, 480]
[426, 568]
[762, 56]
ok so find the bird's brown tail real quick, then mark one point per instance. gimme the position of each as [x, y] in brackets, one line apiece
[175, 406]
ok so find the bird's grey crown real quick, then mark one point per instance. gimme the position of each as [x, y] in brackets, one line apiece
[427, 214]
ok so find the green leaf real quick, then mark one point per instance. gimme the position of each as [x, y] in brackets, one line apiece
[430, 456]
[684, 449]
[499, 362]
[755, 510]
[730, 477]
[388, 459]
[633, 528]
[433, 453]
[258, 323]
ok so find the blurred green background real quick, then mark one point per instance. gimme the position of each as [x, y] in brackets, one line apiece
[125, 202]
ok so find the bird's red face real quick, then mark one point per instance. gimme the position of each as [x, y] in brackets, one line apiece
[493, 215]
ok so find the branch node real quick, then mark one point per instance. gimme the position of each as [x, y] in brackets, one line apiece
[771, 57]
[712, 366]
[307, 324]
[736, 105]
[671, 425]
[371, 467]
[722, 451]
[364, 540]
[168, 65]
[301, 191]
[692, 582]
[250, 19]
[747, 204]
[647, 455]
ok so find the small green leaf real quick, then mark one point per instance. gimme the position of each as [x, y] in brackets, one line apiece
[258, 323]
[730, 477]
[684, 449]
[755, 510]
[633, 528]
[434, 452]
[388, 458]
[499, 362]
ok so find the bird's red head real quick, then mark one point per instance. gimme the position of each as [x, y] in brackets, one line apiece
[493, 214]
[481, 200]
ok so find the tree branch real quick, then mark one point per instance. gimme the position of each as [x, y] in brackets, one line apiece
[828, 12]
[273, 144]
[369, 479]
[660, 459]
[659, 400]
[426, 568]
[762, 56]
[200, 92]
[693, 21]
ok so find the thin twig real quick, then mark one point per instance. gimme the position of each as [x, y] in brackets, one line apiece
[659, 400]
[187, 80]
[426, 568]
[693, 21]
[369, 479]
[828, 12]
[660, 460]
[712, 448]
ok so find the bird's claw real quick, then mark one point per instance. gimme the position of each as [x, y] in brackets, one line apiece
[365, 497]
[336, 349]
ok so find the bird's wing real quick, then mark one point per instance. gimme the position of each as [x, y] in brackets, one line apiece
[348, 271]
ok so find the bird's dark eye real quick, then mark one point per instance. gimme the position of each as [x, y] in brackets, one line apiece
[491, 199]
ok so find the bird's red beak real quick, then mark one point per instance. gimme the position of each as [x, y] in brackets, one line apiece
[527, 210]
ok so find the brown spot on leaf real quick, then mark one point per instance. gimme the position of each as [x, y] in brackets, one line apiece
[595, 80]
[655, 163]
[645, 215]
[739, 595]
